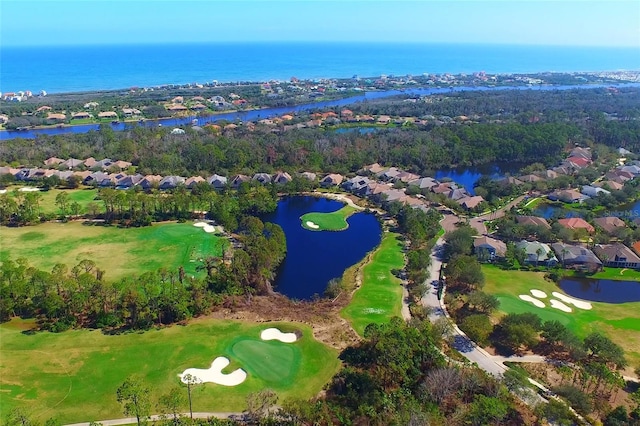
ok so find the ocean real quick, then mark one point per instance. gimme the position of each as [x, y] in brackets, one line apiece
[87, 68]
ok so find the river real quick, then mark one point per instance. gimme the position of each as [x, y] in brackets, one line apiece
[241, 116]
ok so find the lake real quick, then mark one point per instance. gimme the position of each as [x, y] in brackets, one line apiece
[313, 258]
[468, 176]
[607, 291]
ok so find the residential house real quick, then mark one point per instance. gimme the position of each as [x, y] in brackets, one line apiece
[581, 153]
[193, 181]
[95, 178]
[617, 255]
[108, 114]
[470, 203]
[566, 196]
[457, 194]
[122, 164]
[530, 178]
[171, 182]
[281, 178]
[102, 164]
[332, 179]
[81, 115]
[575, 223]
[533, 221]
[89, 162]
[609, 223]
[577, 257]
[489, 249]
[509, 181]
[309, 175]
[578, 163]
[217, 182]
[356, 184]
[593, 191]
[149, 182]
[72, 163]
[537, 253]
[391, 195]
[406, 177]
[53, 161]
[127, 182]
[374, 168]
[389, 174]
[633, 169]
[56, 116]
[443, 188]
[548, 174]
[263, 178]
[609, 185]
[424, 183]
[130, 112]
[238, 180]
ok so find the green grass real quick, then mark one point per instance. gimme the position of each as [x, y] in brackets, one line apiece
[620, 274]
[620, 322]
[81, 196]
[380, 296]
[120, 252]
[333, 221]
[74, 375]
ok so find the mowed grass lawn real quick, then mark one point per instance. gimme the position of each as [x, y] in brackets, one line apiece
[333, 221]
[118, 251]
[380, 296]
[74, 375]
[620, 322]
[82, 196]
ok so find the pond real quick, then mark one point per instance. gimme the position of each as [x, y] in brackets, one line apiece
[314, 258]
[607, 291]
[468, 176]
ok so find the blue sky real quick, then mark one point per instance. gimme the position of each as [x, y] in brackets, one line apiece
[560, 22]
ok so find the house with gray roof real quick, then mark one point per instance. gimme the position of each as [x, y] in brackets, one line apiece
[171, 182]
[281, 178]
[424, 183]
[489, 249]
[263, 178]
[617, 255]
[217, 181]
[577, 257]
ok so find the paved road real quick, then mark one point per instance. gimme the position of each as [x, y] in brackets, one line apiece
[155, 417]
[461, 342]
[478, 222]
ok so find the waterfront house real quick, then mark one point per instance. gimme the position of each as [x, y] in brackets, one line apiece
[537, 253]
[52, 116]
[332, 179]
[309, 176]
[530, 178]
[238, 180]
[617, 255]
[577, 257]
[424, 183]
[281, 178]
[489, 249]
[567, 196]
[593, 191]
[108, 114]
[81, 115]
[263, 178]
[575, 223]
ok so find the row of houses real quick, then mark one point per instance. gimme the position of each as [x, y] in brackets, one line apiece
[573, 256]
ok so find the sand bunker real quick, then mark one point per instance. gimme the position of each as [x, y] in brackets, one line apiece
[3, 191]
[209, 229]
[214, 374]
[200, 224]
[581, 304]
[311, 225]
[275, 334]
[535, 302]
[28, 189]
[559, 305]
[538, 293]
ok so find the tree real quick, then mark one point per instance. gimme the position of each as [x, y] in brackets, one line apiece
[482, 302]
[259, 404]
[172, 402]
[487, 410]
[17, 417]
[62, 201]
[190, 381]
[477, 327]
[134, 397]
[601, 348]
[459, 242]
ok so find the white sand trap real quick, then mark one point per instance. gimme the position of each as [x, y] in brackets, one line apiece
[311, 225]
[28, 189]
[275, 334]
[214, 374]
[559, 305]
[538, 293]
[209, 229]
[200, 224]
[530, 299]
[3, 191]
[581, 304]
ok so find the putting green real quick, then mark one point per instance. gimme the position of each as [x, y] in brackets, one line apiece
[273, 361]
[73, 376]
[333, 221]
[118, 251]
[619, 321]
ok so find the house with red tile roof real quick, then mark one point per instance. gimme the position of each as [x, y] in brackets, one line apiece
[575, 223]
